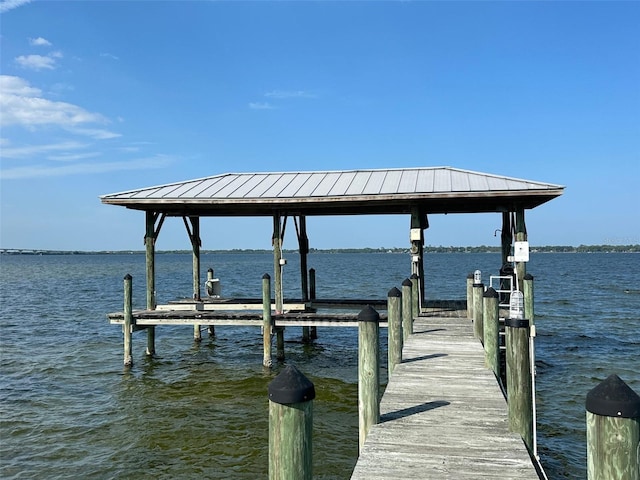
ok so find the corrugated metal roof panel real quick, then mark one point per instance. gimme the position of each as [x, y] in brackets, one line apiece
[295, 184]
[279, 185]
[496, 183]
[229, 190]
[441, 181]
[374, 185]
[391, 182]
[459, 181]
[359, 183]
[263, 186]
[408, 181]
[211, 189]
[478, 183]
[183, 190]
[249, 182]
[342, 184]
[326, 184]
[310, 185]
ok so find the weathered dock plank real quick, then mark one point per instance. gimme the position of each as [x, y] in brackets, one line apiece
[443, 414]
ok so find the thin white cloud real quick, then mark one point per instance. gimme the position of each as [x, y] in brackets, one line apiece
[36, 62]
[6, 5]
[34, 171]
[32, 150]
[74, 157]
[261, 106]
[39, 42]
[109, 55]
[22, 105]
[97, 133]
[283, 94]
[17, 86]
[129, 149]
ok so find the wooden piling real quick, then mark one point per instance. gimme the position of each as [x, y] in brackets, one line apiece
[128, 320]
[529, 312]
[312, 296]
[519, 386]
[151, 233]
[279, 343]
[291, 397]
[277, 257]
[478, 329]
[368, 371]
[521, 236]
[211, 329]
[266, 320]
[470, 295]
[491, 326]
[415, 295]
[394, 329]
[407, 320]
[613, 431]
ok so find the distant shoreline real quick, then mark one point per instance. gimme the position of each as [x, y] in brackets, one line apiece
[398, 250]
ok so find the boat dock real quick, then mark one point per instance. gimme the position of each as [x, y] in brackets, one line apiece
[443, 414]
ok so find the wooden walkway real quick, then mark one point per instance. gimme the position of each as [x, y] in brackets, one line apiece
[443, 414]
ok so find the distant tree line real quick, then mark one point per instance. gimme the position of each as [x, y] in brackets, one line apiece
[428, 249]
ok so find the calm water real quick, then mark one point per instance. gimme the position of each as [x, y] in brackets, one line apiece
[69, 408]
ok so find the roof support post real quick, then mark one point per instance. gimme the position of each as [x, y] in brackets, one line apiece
[151, 234]
[196, 243]
[276, 240]
[506, 237]
[303, 247]
[521, 236]
[419, 223]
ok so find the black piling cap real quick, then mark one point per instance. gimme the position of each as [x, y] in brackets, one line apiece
[528, 276]
[394, 292]
[613, 398]
[470, 276]
[490, 293]
[407, 282]
[128, 276]
[369, 314]
[266, 276]
[291, 386]
[516, 322]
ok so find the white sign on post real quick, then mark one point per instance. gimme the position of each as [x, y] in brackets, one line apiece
[521, 251]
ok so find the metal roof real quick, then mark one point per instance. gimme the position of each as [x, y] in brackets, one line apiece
[434, 189]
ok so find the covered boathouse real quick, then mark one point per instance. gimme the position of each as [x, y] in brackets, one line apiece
[415, 192]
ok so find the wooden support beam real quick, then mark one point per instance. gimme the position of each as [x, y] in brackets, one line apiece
[506, 237]
[303, 248]
[193, 230]
[521, 236]
[419, 223]
[151, 234]
[277, 257]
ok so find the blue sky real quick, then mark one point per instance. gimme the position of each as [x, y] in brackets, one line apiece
[100, 97]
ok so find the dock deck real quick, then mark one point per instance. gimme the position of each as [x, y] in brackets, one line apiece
[443, 414]
[248, 312]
